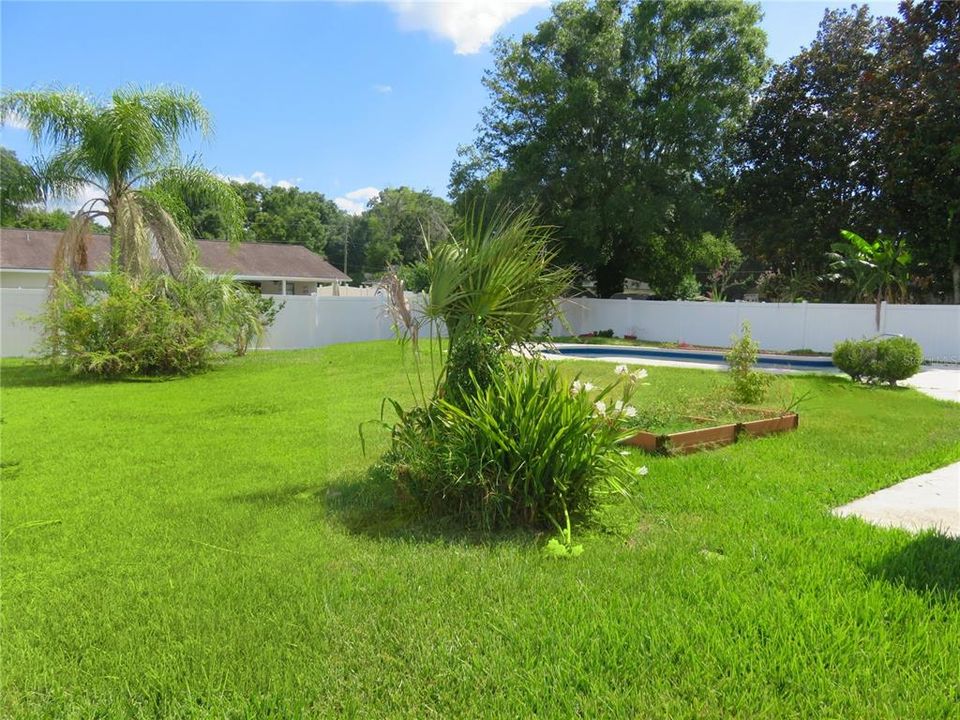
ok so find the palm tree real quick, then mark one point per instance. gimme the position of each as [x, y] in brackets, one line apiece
[128, 149]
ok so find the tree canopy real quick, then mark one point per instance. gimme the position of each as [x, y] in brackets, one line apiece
[613, 119]
[19, 186]
[859, 131]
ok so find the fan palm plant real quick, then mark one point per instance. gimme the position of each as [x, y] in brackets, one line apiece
[498, 272]
[493, 285]
[128, 149]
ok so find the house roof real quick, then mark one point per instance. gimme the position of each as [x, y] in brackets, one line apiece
[35, 250]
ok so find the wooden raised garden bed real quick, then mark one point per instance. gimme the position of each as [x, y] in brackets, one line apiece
[690, 441]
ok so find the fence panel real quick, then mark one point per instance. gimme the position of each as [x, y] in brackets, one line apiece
[312, 321]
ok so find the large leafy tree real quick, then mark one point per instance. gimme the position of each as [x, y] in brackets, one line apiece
[860, 130]
[917, 115]
[290, 215]
[613, 118]
[273, 214]
[127, 149]
[392, 229]
[810, 161]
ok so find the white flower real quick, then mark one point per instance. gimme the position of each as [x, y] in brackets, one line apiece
[576, 387]
[630, 411]
[642, 470]
[618, 406]
[601, 407]
[588, 387]
[621, 370]
[638, 374]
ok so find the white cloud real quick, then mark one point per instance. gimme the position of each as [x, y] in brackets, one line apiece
[470, 24]
[261, 178]
[355, 201]
[383, 89]
[15, 122]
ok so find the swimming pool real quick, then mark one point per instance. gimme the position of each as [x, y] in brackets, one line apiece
[794, 362]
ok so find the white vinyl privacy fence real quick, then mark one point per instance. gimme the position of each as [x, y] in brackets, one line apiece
[792, 326]
[305, 321]
[309, 321]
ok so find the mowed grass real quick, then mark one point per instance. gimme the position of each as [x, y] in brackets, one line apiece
[213, 547]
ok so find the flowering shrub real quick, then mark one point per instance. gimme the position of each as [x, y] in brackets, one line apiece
[528, 448]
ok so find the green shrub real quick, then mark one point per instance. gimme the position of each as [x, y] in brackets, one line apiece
[749, 385]
[246, 315]
[416, 277]
[857, 358]
[878, 361]
[155, 325]
[528, 449]
[898, 358]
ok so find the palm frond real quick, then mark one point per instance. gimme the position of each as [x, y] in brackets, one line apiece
[169, 185]
[70, 258]
[173, 246]
[498, 271]
[58, 117]
[132, 244]
[175, 112]
[63, 175]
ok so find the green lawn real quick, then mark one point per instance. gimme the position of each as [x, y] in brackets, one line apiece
[211, 547]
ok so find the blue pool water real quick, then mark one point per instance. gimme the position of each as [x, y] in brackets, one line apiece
[795, 362]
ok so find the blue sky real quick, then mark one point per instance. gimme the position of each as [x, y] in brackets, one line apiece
[339, 97]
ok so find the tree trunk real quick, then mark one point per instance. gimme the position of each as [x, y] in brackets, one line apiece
[609, 277]
[956, 283]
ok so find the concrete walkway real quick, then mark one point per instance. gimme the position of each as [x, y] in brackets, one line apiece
[939, 381]
[925, 502]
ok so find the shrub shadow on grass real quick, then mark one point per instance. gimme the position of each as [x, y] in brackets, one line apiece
[929, 564]
[36, 374]
[365, 503]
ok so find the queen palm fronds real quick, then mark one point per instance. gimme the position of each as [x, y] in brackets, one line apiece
[71, 253]
[126, 149]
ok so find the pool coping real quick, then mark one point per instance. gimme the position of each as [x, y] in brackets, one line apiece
[715, 357]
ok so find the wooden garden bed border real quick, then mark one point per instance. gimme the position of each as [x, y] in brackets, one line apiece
[689, 441]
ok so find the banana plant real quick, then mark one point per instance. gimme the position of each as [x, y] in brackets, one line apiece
[878, 270]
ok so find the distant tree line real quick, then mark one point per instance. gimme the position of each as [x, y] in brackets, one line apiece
[661, 144]
[390, 231]
[641, 128]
